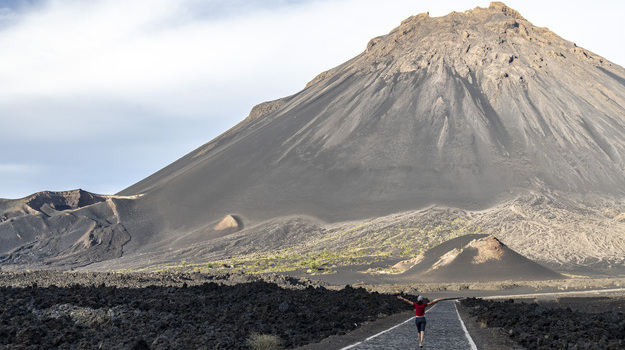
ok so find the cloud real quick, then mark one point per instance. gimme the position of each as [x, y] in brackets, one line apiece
[14, 168]
[69, 68]
[139, 48]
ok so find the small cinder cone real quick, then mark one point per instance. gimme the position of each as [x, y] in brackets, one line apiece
[489, 248]
[229, 222]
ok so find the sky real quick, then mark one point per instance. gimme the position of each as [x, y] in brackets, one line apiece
[99, 94]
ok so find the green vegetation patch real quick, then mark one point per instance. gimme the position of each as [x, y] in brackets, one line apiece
[362, 245]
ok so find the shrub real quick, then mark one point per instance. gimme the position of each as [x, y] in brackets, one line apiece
[265, 342]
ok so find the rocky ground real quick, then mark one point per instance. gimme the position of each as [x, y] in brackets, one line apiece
[137, 311]
[86, 310]
[570, 323]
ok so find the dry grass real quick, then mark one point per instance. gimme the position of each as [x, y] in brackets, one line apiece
[483, 324]
[265, 342]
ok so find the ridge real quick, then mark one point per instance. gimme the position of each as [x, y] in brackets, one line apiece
[467, 42]
[500, 6]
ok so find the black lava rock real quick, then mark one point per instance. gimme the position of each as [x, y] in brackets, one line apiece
[180, 315]
[537, 327]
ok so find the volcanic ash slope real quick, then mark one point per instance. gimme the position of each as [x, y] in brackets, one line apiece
[473, 110]
[464, 110]
[456, 110]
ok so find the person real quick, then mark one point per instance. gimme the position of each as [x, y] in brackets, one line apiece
[419, 308]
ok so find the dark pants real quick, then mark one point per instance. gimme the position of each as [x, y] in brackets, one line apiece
[420, 323]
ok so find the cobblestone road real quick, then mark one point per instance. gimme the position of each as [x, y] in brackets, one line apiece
[444, 331]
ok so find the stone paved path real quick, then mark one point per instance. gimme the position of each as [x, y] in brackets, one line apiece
[444, 331]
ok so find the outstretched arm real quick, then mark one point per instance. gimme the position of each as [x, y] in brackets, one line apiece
[404, 299]
[435, 301]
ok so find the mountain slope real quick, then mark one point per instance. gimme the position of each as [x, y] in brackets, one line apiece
[470, 110]
[61, 229]
[456, 110]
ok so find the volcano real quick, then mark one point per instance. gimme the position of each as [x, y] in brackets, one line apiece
[481, 259]
[476, 110]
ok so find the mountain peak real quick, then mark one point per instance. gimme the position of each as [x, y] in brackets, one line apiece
[500, 6]
[461, 108]
[494, 42]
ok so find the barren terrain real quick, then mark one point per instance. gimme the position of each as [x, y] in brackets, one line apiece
[568, 323]
[130, 311]
[477, 122]
[72, 310]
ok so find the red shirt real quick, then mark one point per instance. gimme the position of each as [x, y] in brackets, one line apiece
[419, 309]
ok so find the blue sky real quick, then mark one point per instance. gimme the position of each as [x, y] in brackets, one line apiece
[99, 94]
